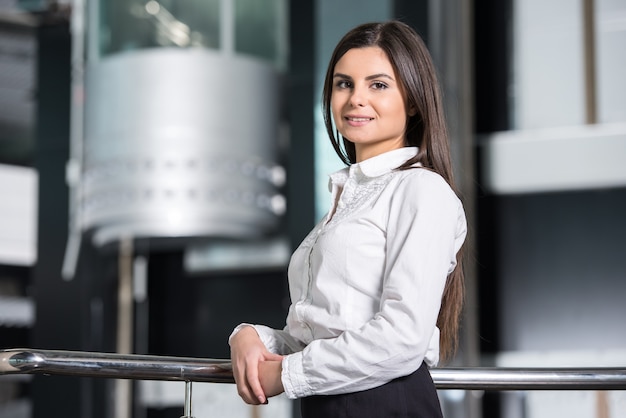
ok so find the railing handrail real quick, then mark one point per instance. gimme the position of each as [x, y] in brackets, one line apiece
[150, 367]
[114, 365]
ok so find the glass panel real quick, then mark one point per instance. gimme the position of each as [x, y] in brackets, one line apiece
[333, 20]
[128, 25]
[548, 64]
[260, 29]
[611, 60]
[18, 82]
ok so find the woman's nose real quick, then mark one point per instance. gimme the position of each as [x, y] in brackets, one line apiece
[358, 98]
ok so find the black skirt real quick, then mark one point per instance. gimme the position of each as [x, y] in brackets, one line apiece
[412, 396]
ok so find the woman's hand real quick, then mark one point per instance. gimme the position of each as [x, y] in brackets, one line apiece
[270, 377]
[252, 375]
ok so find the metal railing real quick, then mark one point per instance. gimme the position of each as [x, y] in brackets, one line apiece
[144, 367]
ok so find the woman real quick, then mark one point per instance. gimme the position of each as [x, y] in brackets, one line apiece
[376, 288]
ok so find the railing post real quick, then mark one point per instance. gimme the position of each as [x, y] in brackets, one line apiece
[187, 410]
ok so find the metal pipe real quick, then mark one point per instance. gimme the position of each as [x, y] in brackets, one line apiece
[187, 410]
[125, 324]
[605, 378]
[142, 367]
[113, 365]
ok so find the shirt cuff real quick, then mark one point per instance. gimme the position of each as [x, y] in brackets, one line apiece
[264, 333]
[292, 377]
[237, 329]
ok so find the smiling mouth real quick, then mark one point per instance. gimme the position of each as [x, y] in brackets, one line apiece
[359, 119]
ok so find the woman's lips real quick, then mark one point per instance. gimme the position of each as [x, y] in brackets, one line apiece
[357, 120]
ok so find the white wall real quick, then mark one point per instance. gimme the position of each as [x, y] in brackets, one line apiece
[18, 215]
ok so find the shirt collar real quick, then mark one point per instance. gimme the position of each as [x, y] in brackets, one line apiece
[384, 163]
[374, 167]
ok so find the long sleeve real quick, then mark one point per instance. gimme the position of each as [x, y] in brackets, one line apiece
[423, 226]
[276, 341]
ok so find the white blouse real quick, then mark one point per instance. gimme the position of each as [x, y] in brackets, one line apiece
[366, 283]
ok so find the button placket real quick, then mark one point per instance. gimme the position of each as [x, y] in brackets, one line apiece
[305, 302]
[345, 197]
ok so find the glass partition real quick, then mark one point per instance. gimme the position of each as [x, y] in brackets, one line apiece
[260, 28]
[253, 27]
[128, 25]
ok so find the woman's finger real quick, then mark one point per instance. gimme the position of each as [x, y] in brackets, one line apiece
[252, 378]
[272, 357]
[243, 388]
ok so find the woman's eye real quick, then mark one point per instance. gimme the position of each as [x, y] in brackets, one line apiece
[379, 85]
[343, 84]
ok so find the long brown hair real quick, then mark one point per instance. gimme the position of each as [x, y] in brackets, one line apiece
[426, 129]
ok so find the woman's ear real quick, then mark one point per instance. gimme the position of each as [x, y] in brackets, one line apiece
[412, 111]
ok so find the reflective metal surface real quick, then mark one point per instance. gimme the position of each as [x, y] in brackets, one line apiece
[181, 143]
[110, 365]
[141, 367]
[530, 378]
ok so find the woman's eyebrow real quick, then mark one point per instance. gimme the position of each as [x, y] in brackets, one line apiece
[369, 77]
[340, 75]
[379, 75]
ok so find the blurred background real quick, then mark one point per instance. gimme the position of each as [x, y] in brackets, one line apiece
[159, 161]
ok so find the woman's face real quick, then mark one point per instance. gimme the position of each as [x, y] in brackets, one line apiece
[367, 102]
